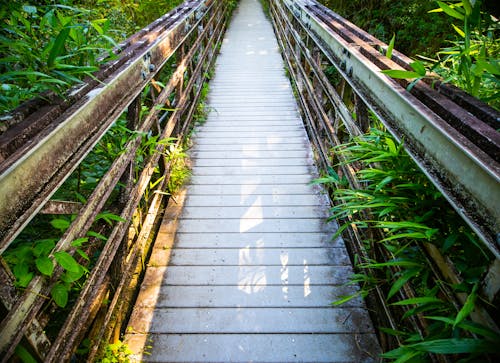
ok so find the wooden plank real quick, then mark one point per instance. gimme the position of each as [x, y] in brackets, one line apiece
[253, 200]
[249, 189]
[259, 256]
[229, 275]
[257, 239]
[251, 321]
[251, 179]
[260, 347]
[252, 170]
[244, 162]
[240, 225]
[246, 294]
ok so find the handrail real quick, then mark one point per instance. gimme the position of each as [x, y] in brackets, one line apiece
[449, 134]
[462, 160]
[67, 130]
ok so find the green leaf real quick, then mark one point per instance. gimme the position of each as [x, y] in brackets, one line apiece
[83, 254]
[397, 73]
[419, 68]
[43, 247]
[70, 276]
[401, 263]
[419, 300]
[22, 274]
[467, 6]
[44, 265]
[23, 354]
[458, 30]
[456, 346]
[390, 48]
[61, 224]
[58, 46]
[450, 11]
[398, 284]
[79, 242]
[468, 306]
[97, 235]
[60, 294]
[469, 326]
[67, 261]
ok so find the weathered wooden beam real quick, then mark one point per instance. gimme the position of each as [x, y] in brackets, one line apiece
[57, 150]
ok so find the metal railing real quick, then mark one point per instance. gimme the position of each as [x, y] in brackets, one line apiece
[450, 135]
[48, 139]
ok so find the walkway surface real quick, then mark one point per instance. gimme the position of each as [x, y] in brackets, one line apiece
[253, 270]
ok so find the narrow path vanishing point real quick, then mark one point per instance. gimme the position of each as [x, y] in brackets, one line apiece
[253, 270]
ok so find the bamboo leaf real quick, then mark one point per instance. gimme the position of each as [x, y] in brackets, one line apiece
[456, 346]
[398, 284]
[419, 300]
[401, 74]
[418, 67]
[58, 46]
[469, 326]
[458, 30]
[390, 48]
[450, 11]
[468, 306]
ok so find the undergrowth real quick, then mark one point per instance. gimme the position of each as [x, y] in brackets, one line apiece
[397, 199]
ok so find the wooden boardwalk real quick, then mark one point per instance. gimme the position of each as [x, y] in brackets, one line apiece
[253, 271]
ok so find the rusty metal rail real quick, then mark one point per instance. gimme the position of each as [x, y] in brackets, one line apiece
[450, 135]
[47, 139]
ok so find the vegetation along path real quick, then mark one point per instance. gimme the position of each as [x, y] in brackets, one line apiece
[253, 271]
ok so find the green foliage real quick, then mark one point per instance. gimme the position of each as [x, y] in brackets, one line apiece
[398, 199]
[118, 352]
[47, 48]
[472, 60]
[417, 31]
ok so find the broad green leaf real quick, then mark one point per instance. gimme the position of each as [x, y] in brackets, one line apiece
[418, 300]
[456, 346]
[45, 265]
[43, 247]
[67, 261]
[60, 294]
[397, 73]
[390, 48]
[70, 276]
[58, 46]
[450, 11]
[468, 306]
[61, 224]
[22, 274]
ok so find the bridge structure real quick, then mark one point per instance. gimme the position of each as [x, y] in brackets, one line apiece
[242, 266]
